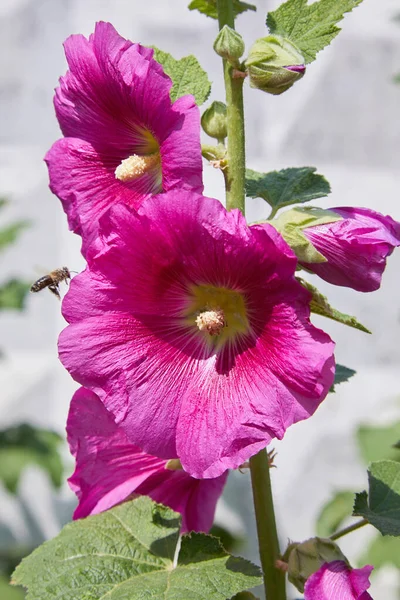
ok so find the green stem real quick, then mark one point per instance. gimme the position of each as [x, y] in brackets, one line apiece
[349, 529]
[235, 176]
[274, 579]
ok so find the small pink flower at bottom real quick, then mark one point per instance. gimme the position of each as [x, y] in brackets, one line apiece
[124, 138]
[193, 331]
[109, 469]
[356, 247]
[337, 581]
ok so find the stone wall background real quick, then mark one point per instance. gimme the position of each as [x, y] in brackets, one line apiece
[343, 117]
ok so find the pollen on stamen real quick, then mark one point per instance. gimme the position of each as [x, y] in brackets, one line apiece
[134, 166]
[212, 321]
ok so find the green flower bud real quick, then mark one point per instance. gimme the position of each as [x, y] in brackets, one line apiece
[306, 558]
[291, 223]
[274, 64]
[213, 121]
[229, 44]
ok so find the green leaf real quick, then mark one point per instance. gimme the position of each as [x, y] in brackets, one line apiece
[319, 305]
[288, 186]
[245, 596]
[9, 234]
[382, 551]
[187, 76]
[332, 515]
[209, 7]
[24, 445]
[381, 506]
[310, 27]
[379, 443]
[342, 374]
[3, 202]
[9, 593]
[127, 553]
[13, 294]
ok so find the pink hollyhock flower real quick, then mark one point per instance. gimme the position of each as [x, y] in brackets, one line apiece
[109, 469]
[124, 139]
[191, 327]
[356, 247]
[337, 581]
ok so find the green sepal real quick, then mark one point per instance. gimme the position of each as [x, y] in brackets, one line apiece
[381, 505]
[229, 45]
[128, 552]
[268, 62]
[291, 223]
[306, 558]
[213, 121]
[187, 76]
[209, 7]
[319, 305]
[310, 27]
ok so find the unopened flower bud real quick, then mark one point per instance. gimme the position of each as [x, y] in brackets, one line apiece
[274, 64]
[229, 45]
[306, 558]
[213, 121]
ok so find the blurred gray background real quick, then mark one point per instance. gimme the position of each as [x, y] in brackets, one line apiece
[343, 118]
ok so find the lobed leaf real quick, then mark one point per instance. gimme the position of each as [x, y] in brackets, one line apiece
[319, 305]
[209, 7]
[334, 512]
[187, 76]
[310, 27]
[127, 553]
[381, 505]
[13, 294]
[289, 186]
[24, 445]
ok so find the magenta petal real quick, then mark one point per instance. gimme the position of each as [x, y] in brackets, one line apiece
[114, 103]
[109, 469]
[172, 392]
[355, 247]
[338, 581]
[85, 183]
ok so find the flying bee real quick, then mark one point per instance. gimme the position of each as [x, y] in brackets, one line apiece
[52, 281]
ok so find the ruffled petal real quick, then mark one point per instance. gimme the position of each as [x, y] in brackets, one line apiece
[85, 182]
[356, 248]
[338, 581]
[109, 469]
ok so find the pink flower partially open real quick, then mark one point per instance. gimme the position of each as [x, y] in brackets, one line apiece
[124, 139]
[356, 247]
[337, 581]
[109, 469]
[194, 332]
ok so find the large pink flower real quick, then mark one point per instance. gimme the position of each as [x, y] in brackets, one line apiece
[356, 247]
[191, 327]
[337, 581]
[124, 140]
[109, 469]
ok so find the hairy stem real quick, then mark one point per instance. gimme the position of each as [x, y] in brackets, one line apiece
[235, 175]
[349, 529]
[274, 579]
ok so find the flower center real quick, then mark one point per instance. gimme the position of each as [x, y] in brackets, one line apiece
[135, 166]
[219, 313]
[212, 321]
